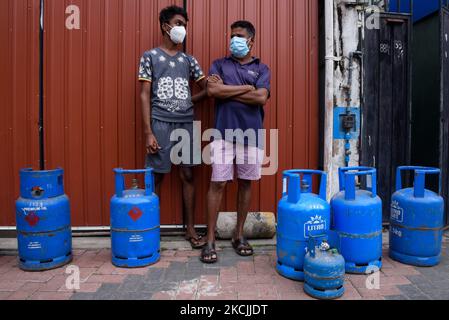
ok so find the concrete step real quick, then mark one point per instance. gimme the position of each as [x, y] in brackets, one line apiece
[9, 245]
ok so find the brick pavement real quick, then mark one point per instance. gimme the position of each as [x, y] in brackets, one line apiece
[180, 275]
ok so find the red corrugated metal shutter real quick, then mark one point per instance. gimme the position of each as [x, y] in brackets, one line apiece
[19, 94]
[92, 108]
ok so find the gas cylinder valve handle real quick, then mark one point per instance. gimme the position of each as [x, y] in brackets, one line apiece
[420, 179]
[311, 244]
[293, 178]
[347, 180]
[120, 180]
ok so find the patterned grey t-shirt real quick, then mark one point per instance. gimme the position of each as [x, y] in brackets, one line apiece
[171, 99]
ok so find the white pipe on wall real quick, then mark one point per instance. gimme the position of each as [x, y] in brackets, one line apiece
[329, 90]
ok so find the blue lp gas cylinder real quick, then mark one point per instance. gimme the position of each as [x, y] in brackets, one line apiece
[301, 214]
[324, 272]
[43, 221]
[135, 222]
[416, 220]
[356, 229]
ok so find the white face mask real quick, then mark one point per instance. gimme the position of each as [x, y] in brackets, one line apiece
[177, 34]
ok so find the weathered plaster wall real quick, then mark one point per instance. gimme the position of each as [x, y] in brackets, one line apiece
[348, 25]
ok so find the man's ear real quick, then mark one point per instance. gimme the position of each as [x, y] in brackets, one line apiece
[251, 43]
[166, 28]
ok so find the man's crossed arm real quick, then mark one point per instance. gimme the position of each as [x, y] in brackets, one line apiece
[245, 93]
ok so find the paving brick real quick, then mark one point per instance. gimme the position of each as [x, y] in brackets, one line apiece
[207, 287]
[19, 295]
[414, 293]
[228, 271]
[189, 286]
[289, 289]
[415, 279]
[134, 296]
[225, 279]
[164, 296]
[241, 288]
[158, 287]
[116, 278]
[398, 297]
[131, 271]
[4, 295]
[106, 268]
[248, 296]
[50, 296]
[269, 297]
[92, 252]
[103, 255]
[401, 271]
[185, 296]
[245, 267]
[86, 273]
[87, 261]
[210, 272]
[54, 284]
[19, 275]
[7, 260]
[208, 280]
[358, 281]
[168, 253]
[160, 265]
[88, 287]
[78, 252]
[107, 291]
[4, 269]
[394, 280]
[10, 285]
[31, 286]
[84, 296]
[217, 296]
[300, 295]
[265, 270]
[175, 259]
[176, 277]
[351, 293]
[265, 290]
[131, 283]
[187, 253]
[155, 275]
[381, 292]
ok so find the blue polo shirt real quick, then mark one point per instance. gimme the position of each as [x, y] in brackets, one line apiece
[231, 114]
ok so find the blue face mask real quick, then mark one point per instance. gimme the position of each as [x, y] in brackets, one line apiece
[239, 47]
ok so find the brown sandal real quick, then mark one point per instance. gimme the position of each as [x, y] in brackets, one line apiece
[209, 254]
[196, 243]
[241, 245]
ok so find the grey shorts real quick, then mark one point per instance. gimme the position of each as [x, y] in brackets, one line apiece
[183, 153]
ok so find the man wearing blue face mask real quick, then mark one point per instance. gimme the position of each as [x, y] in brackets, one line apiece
[167, 105]
[240, 85]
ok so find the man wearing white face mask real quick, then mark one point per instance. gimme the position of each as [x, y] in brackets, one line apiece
[167, 105]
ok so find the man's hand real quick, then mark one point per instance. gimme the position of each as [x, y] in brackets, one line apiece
[151, 144]
[215, 78]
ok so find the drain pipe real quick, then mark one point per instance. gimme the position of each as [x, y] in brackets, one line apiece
[329, 92]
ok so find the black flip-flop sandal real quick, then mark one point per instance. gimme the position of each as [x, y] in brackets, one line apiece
[207, 254]
[241, 245]
[196, 242]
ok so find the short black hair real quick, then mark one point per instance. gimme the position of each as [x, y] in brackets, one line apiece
[168, 13]
[245, 25]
